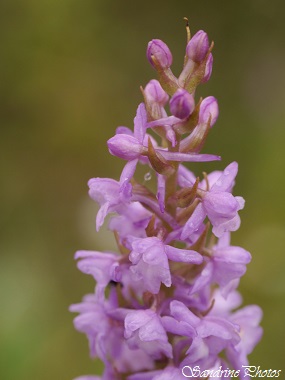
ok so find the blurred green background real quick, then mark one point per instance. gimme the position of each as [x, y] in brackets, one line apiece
[70, 74]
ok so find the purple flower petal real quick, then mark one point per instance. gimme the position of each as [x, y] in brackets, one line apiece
[125, 146]
[140, 121]
[135, 320]
[194, 222]
[181, 313]
[219, 327]
[106, 192]
[198, 350]
[101, 215]
[160, 194]
[209, 110]
[227, 179]
[229, 225]
[182, 104]
[178, 327]
[204, 278]
[166, 121]
[158, 49]
[188, 157]
[232, 255]
[143, 329]
[185, 177]
[124, 131]
[183, 255]
[248, 319]
[220, 205]
[128, 173]
[100, 265]
[150, 263]
[155, 93]
[198, 46]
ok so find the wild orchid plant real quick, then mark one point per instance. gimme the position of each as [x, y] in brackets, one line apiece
[163, 304]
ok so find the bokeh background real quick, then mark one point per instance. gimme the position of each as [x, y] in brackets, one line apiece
[70, 74]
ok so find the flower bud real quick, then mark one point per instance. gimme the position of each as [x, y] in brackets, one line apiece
[208, 69]
[125, 146]
[182, 104]
[158, 54]
[155, 93]
[198, 46]
[209, 109]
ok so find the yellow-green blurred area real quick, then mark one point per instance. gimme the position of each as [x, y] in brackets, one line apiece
[70, 74]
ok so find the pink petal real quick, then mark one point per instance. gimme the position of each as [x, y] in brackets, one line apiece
[140, 122]
[194, 222]
[226, 180]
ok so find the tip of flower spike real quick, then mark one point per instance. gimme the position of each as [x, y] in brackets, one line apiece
[158, 54]
[197, 48]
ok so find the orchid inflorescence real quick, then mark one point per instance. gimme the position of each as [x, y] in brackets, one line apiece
[167, 299]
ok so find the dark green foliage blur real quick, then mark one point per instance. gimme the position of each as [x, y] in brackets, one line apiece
[70, 74]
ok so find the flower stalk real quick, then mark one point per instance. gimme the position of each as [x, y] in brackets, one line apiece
[166, 299]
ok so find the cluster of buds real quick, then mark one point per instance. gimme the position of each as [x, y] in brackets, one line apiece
[166, 301]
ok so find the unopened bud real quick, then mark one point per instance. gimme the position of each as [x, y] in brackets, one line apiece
[208, 68]
[209, 110]
[158, 54]
[125, 146]
[155, 93]
[182, 104]
[198, 47]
